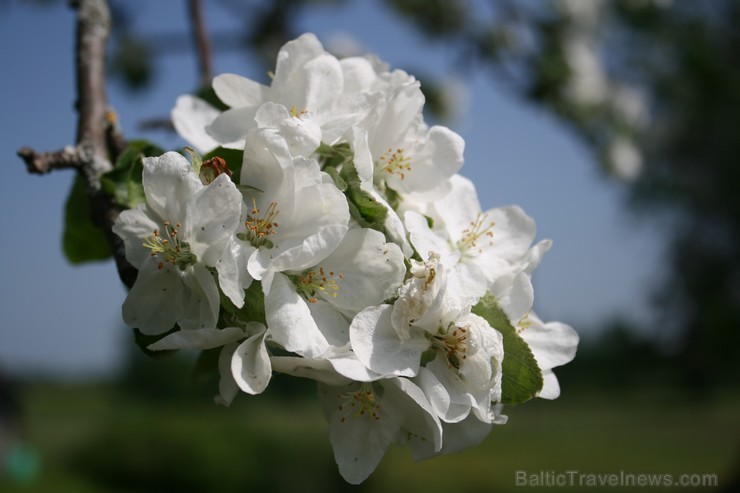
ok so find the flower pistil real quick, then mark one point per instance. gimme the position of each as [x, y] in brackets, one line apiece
[170, 247]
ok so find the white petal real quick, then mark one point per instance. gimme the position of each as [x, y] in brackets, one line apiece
[359, 74]
[459, 207]
[230, 127]
[227, 387]
[155, 302]
[250, 364]
[513, 232]
[422, 237]
[358, 443]
[331, 323]
[294, 55]
[433, 162]
[348, 365]
[319, 82]
[302, 133]
[191, 116]
[378, 346]
[169, 184]
[198, 339]
[290, 321]
[445, 390]
[394, 119]
[417, 414]
[200, 298]
[457, 436]
[316, 369]
[535, 254]
[233, 276]
[236, 91]
[550, 386]
[515, 295]
[343, 113]
[133, 226]
[297, 256]
[371, 269]
[553, 344]
[213, 216]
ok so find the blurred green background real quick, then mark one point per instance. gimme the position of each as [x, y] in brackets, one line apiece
[157, 430]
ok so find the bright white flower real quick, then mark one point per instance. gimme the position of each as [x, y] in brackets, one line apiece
[417, 294]
[476, 247]
[304, 308]
[301, 132]
[182, 230]
[296, 216]
[365, 418]
[456, 355]
[190, 117]
[404, 154]
[307, 79]
[465, 372]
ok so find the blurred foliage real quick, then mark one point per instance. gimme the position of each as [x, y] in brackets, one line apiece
[82, 240]
[107, 438]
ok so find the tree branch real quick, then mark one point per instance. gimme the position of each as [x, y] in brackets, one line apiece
[98, 134]
[93, 26]
[42, 163]
[202, 41]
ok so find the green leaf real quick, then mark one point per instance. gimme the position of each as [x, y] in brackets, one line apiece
[123, 182]
[338, 180]
[252, 311]
[338, 162]
[195, 159]
[367, 211]
[335, 156]
[364, 208]
[82, 241]
[233, 158]
[393, 197]
[522, 378]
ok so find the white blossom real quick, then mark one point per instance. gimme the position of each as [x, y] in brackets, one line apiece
[183, 229]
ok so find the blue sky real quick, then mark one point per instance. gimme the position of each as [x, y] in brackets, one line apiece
[65, 320]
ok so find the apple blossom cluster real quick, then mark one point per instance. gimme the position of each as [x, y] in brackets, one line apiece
[346, 249]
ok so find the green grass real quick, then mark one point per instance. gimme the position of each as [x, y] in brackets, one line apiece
[95, 438]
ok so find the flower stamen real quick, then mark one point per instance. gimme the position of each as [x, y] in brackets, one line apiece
[297, 114]
[395, 162]
[261, 227]
[360, 403]
[452, 345]
[170, 247]
[310, 282]
[479, 228]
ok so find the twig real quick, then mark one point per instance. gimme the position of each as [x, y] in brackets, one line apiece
[202, 41]
[93, 26]
[42, 163]
[98, 134]
[113, 135]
